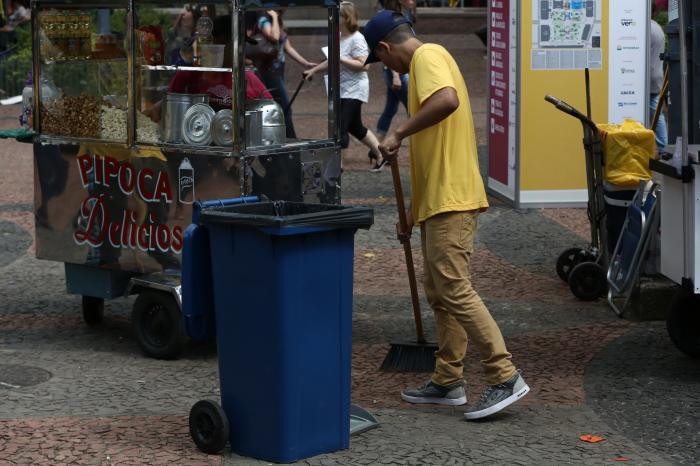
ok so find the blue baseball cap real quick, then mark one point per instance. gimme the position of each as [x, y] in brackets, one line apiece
[377, 29]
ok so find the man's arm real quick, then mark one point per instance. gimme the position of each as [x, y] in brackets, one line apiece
[436, 108]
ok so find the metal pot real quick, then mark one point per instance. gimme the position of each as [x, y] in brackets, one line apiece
[173, 112]
[196, 125]
[253, 128]
[273, 126]
[222, 127]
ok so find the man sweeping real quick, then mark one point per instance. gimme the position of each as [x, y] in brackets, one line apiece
[447, 197]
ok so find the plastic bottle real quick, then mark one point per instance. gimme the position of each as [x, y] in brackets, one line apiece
[185, 182]
[48, 91]
[25, 118]
[203, 30]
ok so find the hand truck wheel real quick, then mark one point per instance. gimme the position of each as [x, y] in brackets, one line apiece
[569, 259]
[587, 281]
[209, 426]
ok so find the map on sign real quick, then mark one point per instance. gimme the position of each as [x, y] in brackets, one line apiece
[573, 27]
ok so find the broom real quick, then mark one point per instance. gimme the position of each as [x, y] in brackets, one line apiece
[419, 355]
[291, 101]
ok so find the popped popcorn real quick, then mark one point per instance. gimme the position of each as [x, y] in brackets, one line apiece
[146, 129]
[113, 125]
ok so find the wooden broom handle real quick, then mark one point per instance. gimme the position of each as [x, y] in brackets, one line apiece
[398, 190]
[662, 97]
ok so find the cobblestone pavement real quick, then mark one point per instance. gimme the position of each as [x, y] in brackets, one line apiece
[70, 394]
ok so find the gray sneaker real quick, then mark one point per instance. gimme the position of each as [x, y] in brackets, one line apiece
[497, 397]
[451, 395]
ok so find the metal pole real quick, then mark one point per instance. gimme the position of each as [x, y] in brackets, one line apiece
[687, 187]
[334, 73]
[238, 27]
[36, 67]
[132, 79]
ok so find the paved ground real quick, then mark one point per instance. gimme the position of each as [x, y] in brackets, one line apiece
[76, 395]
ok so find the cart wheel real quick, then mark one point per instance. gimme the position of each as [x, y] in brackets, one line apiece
[209, 426]
[93, 310]
[158, 325]
[587, 281]
[683, 323]
[568, 260]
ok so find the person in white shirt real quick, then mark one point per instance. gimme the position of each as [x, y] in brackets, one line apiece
[657, 45]
[354, 84]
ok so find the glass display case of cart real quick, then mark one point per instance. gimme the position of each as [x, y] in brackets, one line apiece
[82, 57]
[164, 74]
[186, 80]
[182, 77]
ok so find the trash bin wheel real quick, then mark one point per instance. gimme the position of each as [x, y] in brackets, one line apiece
[683, 323]
[158, 325]
[209, 426]
[93, 310]
[587, 281]
[569, 259]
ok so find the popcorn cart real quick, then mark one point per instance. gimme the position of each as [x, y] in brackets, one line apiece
[141, 108]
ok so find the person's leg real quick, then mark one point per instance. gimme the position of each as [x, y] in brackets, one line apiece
[346, 112]
[452, 339]
[391, 105]
[661, 131]
[364, 135]
[449, 246]
[448, 250]
[446, 386]
[372, 143]
[275, 84]
[403, 93]
[284, 101]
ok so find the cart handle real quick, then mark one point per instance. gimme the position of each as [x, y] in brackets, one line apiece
[568, 109]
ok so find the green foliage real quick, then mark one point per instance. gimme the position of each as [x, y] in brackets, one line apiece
[92, 77]
[661, 18]
[19, 64]
[145, 16]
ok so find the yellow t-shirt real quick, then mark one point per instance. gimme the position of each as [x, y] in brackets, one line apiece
[444, 165]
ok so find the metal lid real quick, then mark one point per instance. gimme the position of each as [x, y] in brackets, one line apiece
[222, 128]
[194, 98]
[271, 110]
[196, 125]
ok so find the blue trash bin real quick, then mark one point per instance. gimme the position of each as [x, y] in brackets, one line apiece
[282, 275]
[197, 293]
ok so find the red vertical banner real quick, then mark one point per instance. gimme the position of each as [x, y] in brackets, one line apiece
[499, 89]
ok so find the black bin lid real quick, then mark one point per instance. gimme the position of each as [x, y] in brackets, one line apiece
[280, 214]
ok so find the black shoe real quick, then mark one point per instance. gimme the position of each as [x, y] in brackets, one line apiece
[379, 166]
[372, 159]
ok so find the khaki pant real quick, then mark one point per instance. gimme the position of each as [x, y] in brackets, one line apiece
[447, 241]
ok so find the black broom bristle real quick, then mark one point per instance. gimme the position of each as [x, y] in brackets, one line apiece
[410, 357]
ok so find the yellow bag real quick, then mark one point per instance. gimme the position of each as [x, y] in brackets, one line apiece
[627, 149]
